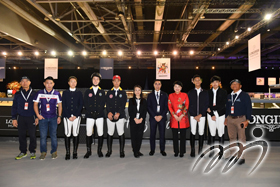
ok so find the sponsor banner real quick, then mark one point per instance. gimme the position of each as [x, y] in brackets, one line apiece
[163, 68]
[254, 53]
[51, 67]
[107, 68]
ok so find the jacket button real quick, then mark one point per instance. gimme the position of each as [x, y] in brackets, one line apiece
[71, 97]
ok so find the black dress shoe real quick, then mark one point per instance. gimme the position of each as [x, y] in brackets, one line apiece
[181, 155]
[192, 153]
[136, 155]
[176, 154]
[241, 161]
[163, 153]
[151, 153]
[140, 154]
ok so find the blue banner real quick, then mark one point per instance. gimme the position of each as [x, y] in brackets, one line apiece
[2, 68]
[107, 68]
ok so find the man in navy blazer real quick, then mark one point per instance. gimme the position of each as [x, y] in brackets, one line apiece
[157, 103]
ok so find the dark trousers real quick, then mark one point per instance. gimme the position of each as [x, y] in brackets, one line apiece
[136, 134]
[176, 140]
[161, 127]
[26, 124]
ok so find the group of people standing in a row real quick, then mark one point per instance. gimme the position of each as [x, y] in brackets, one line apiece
[220, 109]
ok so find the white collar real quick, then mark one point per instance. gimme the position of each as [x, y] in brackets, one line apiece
[238, 92]
[116, 89]
[198, 89]
[72, 89]
[214, 89]
[157, 91]
[95, 87]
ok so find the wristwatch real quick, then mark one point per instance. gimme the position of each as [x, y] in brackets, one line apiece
[59, 116]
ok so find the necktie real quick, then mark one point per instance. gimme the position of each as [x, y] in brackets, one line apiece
[233, 97]
[116, 92]
[157, 95]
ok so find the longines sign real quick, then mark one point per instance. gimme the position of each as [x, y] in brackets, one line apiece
[270, 122]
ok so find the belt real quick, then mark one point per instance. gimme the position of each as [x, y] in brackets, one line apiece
[235, 117]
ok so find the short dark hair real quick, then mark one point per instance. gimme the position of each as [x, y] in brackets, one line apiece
[72, 77]
[178, 83]
[215, 78]
[49, 78]
[157, 80]
[195, 76]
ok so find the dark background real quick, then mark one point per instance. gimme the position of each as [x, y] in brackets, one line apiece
[145, 78]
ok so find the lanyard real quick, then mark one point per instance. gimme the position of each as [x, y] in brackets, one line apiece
[27, 96]
[232, 102]
[48, 99]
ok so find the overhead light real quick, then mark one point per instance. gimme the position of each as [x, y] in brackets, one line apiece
[70, 53]
[36, 53]
[84, 53]
[71, 34]
[219, 49]
[104, 52]
[139, 52]
[129, 67]
[191, 52]
[120, 53]
[53, 53]
[19, 53]
[213, 67]
[175, 52]
[14, 67]
[268, 30]
[46, 19]
[117, 17]
[249, 29]
[78, 67]
[202, 17]
[236, 37]
[196, 67]
[227, 43]
[268, 16]
[236, 30]
[49, 15]
[4, 53]
[57, 19]
[155, 53]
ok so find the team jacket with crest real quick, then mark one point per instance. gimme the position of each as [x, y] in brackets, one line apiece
[72, 103]
[116, 104]
[94, 103]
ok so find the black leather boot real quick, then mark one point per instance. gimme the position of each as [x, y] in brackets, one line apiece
[212, 140]
[200, 144]
[192, 141]
[67, 146]
[88, 142]
[221, 141]
[75, 146]
[109, 144]
[122, 143]
[99, 147]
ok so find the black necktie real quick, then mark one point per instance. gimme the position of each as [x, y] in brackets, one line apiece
[233, 97]
[157, 95]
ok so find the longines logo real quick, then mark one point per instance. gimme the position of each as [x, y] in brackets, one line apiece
[106, 68]
[270, 122]
[9, 122]
[214, 161]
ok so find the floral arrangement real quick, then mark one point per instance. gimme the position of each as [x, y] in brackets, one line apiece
[15, 86]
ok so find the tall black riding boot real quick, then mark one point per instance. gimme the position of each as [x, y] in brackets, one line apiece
[75, 146]
[89, 142]
[99, 147]
[192, 141]
[67, 146]
[200, 144]
[109, 144]
[212, 140]
[221, 141]
[122, 143]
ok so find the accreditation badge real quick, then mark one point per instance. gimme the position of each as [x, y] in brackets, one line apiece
[138, 115]
[48, 107]
[232, 110]
[158, 108]
[26, 106]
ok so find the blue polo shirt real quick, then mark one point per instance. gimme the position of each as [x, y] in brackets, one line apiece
[50, 99]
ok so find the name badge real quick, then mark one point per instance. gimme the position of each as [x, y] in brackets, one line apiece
[26, 106]
[158, 108]
[48, 107]
[232, 110]
[138, 115]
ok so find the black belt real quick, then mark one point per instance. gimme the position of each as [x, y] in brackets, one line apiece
[235, 117]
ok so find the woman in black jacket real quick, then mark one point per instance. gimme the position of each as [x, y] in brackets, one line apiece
[137, 111]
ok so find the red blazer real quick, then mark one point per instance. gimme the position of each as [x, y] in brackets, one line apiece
[178, 104]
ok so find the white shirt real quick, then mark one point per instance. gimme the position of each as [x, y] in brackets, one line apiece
[157, 93]
[237, 94]
[138, 104]
[72, 89]
[116, 93]
[198, 91]
[214, 96]
[95, 88]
